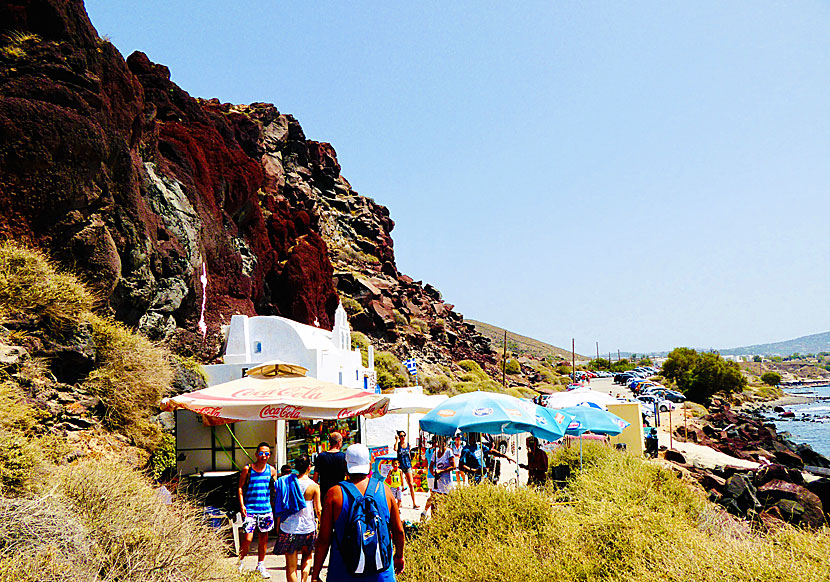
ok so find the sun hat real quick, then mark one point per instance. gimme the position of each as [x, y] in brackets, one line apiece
[357, 459]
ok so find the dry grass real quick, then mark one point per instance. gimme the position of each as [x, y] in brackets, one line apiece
[627, 520]
[103, 522]
[131, 377]
[32, 286]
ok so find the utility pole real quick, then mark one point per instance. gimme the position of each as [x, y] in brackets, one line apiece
[618, 355]
[597, 350]
[504, 362]
[573, 359]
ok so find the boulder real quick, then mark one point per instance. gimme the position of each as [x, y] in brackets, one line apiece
[821, 489]
[740, 488]
[675, 456]
[12, 355]
[797, 504]
[778, 472]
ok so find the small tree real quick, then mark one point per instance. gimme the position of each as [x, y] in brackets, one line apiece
[771, 378]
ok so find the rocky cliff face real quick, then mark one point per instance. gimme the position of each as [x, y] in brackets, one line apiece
[131, 182]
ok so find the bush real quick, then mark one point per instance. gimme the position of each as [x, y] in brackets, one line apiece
[771, 378]
[103, 521]
[400, 318]
[131, 377]
[18, 459]
[701, 375]
[419, 324]
[164, 457]
[436, 384]
[474, 368]
[625, 519]
[512, 366]
[391, 373]
[352, 306]
[31, 285]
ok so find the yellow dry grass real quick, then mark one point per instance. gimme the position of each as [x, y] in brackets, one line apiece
[625, 519]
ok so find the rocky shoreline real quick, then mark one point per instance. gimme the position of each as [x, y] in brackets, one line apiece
[780, 489]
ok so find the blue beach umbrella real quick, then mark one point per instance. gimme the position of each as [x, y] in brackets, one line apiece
[595, 420]
[492, 413]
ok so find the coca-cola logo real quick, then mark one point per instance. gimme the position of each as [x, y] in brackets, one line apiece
[208, 410]
[348, 412]
[287, 412]
[298, 392]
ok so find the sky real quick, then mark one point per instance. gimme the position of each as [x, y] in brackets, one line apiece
[644, 175]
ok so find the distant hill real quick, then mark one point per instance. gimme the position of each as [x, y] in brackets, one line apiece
[522, 344]
[808, 344]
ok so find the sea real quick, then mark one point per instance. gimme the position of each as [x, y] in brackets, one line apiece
[811, 423]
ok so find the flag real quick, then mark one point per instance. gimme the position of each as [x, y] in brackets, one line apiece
[411, 365]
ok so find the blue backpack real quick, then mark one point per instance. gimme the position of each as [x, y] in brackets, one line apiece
[366, 547]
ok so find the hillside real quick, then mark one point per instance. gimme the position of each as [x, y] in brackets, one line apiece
[145, 191]
[521, 345]
[808, 344]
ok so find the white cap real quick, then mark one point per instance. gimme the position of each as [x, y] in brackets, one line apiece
[357, 459]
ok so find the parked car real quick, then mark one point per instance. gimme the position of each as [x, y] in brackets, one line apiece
[664, 393]
[650, 400]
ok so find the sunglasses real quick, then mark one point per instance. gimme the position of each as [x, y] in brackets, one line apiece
[263, 454]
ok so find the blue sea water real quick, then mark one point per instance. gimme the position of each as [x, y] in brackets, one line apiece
[811, 423]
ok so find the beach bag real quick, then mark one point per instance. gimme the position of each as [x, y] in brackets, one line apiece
[366, 547]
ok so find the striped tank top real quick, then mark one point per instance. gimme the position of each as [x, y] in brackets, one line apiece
[257, 495]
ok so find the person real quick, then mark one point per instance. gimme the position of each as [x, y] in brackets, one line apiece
[473, 459]
[405, 461]
[336, 506]
[395, 480]
[286, 470]
[254, 491]
[537, 463]
[652, 443]
[330, 467]
[298, 532]
[441, 466]
[456, 448]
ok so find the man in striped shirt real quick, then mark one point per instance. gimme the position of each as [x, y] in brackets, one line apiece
[255, 483]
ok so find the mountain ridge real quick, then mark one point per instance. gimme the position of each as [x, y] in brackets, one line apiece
[806, 344]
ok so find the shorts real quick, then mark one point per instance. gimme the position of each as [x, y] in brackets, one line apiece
[264, 522]
[406, 470]
[397, 493]
[288, 543]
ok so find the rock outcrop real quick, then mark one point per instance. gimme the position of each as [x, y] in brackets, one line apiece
[775, 492]
[137, 186]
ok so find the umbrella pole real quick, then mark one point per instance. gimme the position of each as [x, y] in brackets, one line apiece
[516, 444]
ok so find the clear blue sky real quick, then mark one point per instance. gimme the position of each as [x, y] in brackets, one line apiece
[641, 174]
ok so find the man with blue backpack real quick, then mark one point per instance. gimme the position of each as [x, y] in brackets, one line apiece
[360, 523]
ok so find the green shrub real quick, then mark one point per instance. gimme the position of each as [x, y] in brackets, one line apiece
[400, 318]
[512, 366]
[352, 306]
[437, 384]
[131, 377]
[419, 324]
[164, 457]
[474, 368]
[18, 459]
[30, 284]
[391, 373]
[771, 378]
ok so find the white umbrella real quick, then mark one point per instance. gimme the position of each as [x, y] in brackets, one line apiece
[413, 402]
[579, 396]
